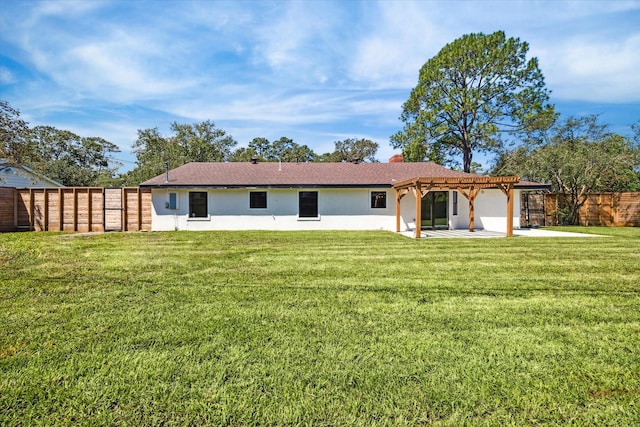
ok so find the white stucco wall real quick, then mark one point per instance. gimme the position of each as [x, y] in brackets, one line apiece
[339, 209]
[490, 211]
[491, 207]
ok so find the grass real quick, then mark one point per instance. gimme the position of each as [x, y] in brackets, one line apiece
[319, 328]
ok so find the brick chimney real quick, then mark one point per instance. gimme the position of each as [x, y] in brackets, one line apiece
[396, 158]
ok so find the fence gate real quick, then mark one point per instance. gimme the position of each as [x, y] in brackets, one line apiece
[113, 209]
[533, 210]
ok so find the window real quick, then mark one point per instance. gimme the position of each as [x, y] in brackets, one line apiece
[173, 201]
[308, 204]
[258, 200]
[378, 199]
[198, 204]
[455, 202]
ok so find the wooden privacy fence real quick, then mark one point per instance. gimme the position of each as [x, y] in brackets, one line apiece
[603, 209]
[82, 209]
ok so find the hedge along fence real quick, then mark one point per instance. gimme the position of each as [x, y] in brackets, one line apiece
[603, 209]
[81, 209]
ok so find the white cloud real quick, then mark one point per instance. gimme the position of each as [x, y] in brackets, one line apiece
[400, 37]
[112, 61]
[285, 108]
[120, 69]
[595, 70]
[303, 43]
[66, 8]
[6, 76]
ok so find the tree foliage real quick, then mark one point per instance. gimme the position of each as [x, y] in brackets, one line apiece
[286, 150]
[58, 154]
[475, 89]
[199, 142]
[202, 142]
[259, 149]
[577, 157]
[70, 159]
[13, 144]
[283, 149]
[352, 149]
[636, 131]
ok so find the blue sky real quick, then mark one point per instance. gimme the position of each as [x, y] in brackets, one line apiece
[314, 71]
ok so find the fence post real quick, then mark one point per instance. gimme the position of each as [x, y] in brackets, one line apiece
[123, 215]
[89, 210]
[15, 209]
[104, 209]
[46, 209]
[31, 210]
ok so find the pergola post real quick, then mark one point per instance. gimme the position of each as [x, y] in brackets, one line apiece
[510, 209]
[472, 208]
[509, 194]
[418, 192]
[471, 197]
[398, 197]
[400, 193]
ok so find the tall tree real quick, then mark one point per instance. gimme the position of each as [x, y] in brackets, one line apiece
[152, 152]
[14, 146]
[202, 142]
[286, 150]
[199, 142]
[70, 159]
[476, 88]
[352, 149]
[259, 149]
[262, 149]
[577, 157]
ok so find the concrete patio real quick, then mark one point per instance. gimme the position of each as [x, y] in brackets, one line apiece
[479, 234]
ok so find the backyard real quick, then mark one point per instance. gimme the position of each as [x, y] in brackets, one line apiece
[319, 328]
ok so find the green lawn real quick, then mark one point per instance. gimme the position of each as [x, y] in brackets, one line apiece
[319, 328]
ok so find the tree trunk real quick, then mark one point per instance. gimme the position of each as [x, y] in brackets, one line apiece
[467, 155]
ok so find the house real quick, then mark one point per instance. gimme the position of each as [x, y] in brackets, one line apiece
[20, 176]
[331, 196]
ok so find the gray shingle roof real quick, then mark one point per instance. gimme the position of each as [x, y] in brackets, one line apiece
[274, 174]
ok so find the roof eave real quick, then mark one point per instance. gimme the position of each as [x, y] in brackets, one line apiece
[532, 186]
[252, 186]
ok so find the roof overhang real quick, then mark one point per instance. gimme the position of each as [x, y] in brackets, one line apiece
[254, 186]
[533, 186]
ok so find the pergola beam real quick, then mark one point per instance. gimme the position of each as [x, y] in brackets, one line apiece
[449, 183]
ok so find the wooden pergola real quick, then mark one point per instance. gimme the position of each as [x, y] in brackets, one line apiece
[469, 187]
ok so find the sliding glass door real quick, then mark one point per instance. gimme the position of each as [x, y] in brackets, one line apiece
[435, 210]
